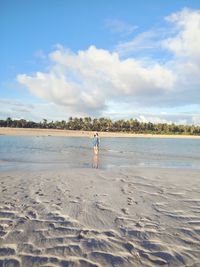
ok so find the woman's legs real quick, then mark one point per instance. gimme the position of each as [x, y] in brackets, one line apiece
[96, 150]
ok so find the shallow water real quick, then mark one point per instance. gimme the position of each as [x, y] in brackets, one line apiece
[47, 152]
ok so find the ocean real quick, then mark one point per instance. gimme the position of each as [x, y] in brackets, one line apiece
[18, 152]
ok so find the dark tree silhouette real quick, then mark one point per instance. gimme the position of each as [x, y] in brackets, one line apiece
[106, 125]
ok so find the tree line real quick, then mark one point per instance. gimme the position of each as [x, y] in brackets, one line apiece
[105, 125]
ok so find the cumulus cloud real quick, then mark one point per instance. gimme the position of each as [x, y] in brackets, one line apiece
[185, 48]
[86, 81]
[186, 41]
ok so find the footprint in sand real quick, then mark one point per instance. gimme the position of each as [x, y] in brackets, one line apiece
[32, 214]
[125, 211]
[124, 190]
[131, 200]
[101, 206]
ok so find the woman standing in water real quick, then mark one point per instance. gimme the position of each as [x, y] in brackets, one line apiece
[96, 142]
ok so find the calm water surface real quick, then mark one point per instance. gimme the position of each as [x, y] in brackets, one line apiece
[46, 152]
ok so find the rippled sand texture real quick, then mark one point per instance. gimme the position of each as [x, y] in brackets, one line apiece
[89, 217]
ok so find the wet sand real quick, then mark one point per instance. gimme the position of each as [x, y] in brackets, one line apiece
[92, 217]
[53, 132]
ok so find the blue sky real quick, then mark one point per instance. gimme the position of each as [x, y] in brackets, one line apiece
[118, 59]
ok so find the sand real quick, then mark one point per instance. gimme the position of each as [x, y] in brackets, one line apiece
[53, 132]
[92, 217]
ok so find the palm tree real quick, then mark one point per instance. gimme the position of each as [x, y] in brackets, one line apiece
[44, 123]
[8, 122]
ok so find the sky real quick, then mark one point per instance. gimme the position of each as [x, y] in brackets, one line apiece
[105, 58]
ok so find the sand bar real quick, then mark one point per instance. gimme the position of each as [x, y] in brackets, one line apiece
[54, 132]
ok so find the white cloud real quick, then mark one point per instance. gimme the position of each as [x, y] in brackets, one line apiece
[153, 119]
[18, 109]
[87, 81]
[196, 119]
[143, 41]
[186, 42]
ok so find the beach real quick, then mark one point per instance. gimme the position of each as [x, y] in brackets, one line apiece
[92, 217]
[60, 205]
[55, 132]
[100, 133]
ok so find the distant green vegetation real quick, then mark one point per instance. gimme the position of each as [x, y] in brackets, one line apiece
[105, 125]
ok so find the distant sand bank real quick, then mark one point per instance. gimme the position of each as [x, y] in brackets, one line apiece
[53, 132]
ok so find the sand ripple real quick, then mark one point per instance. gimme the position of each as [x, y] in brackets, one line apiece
[98, 219]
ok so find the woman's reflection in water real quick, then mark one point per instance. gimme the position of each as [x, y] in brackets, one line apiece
[95, 161]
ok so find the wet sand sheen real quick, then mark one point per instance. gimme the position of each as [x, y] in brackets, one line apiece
[89, 217]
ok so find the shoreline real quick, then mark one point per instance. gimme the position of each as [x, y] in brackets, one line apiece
[78, 133]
